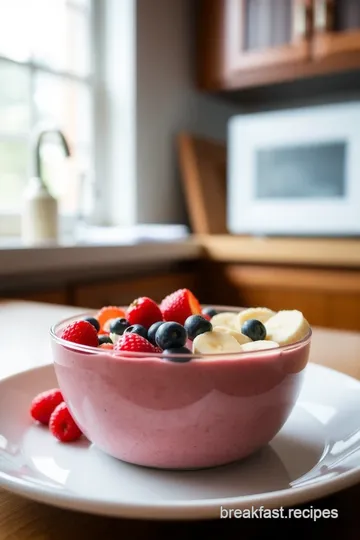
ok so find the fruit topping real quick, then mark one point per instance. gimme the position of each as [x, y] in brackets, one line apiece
[259, 345]
[179, 305]
[81, 332]
[254, 329]
[209, 312]
[94, 322]
[106, 314]
[196, 325]
[108, 346]
[63, 426]
[152, 331]
[134, 343]
[259, 313]
[118, 326]
[240, 338]
[183, 352]
[170, 335]
[287, 326]
[226, 318]
[137, 329]
[143, 311]
[44, 404]
[215, 343]
[104, 338]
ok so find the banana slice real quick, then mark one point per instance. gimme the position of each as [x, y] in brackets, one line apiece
[215, 343]
[114, 337]
[287, 326]
[259, 345]
[260, 313]
[240, 338]
[227, 318]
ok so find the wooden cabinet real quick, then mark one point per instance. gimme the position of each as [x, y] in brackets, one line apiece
[328, 297]
[336, 28]
[244, 43]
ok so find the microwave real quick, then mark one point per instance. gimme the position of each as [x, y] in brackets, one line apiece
[295, 172]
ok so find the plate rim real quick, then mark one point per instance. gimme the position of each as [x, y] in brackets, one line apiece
[190, 510]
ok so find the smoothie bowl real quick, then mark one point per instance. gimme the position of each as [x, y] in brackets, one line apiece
[199, 387]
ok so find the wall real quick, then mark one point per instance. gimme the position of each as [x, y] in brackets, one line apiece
[166, 102]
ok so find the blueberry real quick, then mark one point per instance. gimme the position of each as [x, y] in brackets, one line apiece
[103, 338]
[254, 329]
[184, 352]
[94, 322]
[118, 326]
[170, 335]
[137, 329]
[211, 312]
[152, 331]
[196, 325]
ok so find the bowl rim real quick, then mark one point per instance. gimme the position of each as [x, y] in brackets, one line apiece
[160, 356]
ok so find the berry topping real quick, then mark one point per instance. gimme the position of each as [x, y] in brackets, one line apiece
[179, 305]
[104, 338]
[107, 313]
[134, 343]
[196, 325]
[44, 404]
[143, 311]
[209, 312]
[254, 329]
[152, 331]
[94, 322]
[118, 326]
[81, 332]
[170, 335]
[108, 346]
[63, 426]
[184, 352]
[137, 329]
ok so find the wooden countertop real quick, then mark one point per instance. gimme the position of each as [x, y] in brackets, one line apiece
[296, 251]
[21, 519]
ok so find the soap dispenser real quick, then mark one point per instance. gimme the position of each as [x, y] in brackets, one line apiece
[40, 209]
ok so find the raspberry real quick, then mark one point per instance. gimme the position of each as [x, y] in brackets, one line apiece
[105, 314]
[43, 405]
[81, 332]
[179, 305]
[134, 343]
[63, 426]
[143, 311]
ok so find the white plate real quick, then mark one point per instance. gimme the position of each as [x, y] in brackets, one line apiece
[316, 453]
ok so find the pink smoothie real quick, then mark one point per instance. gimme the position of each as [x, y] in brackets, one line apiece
[157, 413]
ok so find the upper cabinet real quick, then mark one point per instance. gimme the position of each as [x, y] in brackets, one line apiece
[249, 42]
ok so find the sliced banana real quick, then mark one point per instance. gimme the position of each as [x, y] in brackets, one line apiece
[215, 343]
[259, 345]
[227, 318]
[114, 337]
[287, 326]
[260, 313]
[240, 338]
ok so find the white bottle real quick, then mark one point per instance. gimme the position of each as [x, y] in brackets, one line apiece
[39, 225]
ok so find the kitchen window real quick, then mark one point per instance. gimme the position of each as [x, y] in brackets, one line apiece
[47, 79]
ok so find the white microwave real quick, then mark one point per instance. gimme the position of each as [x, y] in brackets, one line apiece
[295, 172]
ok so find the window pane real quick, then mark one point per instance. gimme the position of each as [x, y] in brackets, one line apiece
[14, 98]
[16, 29]
[66, 104]
[13, 173]
[61, 36]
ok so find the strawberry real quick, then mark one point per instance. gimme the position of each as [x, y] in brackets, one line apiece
[81, 332]
[105, 314]
[134, 343]
[43, 405]
[179, 305]
[63, 426]
[143, 311]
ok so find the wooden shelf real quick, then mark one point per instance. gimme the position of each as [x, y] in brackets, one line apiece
[323, 252]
